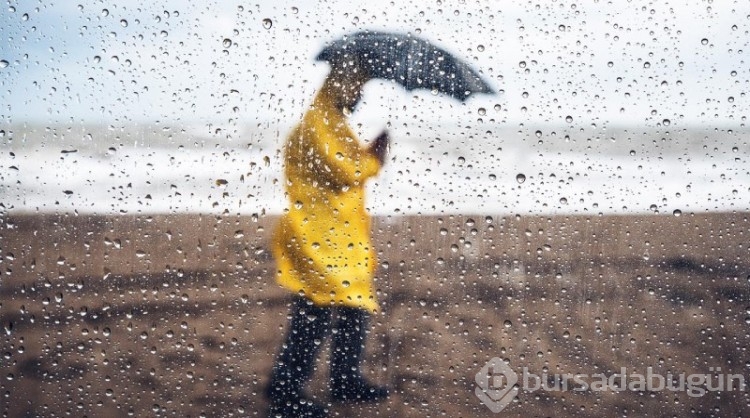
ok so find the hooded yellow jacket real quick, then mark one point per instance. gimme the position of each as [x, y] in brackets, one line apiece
[322, 243]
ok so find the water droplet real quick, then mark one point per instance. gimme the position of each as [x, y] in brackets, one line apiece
[480, 48]
[497, 108]
[221, 182]
[522, 64]
[124, 23]
[677, 212]
[4, 63]
[105, 12]
[345, 283]
[507, 324]
[267, 23]
[482, 111]
[520, 178]
[226, 42]
[538, 134]
[666, 122]
[704, 41]
[563, 201]
[569, 119]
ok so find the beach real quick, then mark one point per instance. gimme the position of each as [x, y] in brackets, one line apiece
[561, 216]
[179, 315]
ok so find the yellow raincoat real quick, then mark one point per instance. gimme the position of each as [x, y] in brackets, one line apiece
[322, 244]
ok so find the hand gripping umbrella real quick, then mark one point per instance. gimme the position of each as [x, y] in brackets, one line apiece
[408, 60]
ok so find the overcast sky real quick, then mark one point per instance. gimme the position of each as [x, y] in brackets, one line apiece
[236, 62]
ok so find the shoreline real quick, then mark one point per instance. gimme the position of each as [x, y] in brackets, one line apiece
[179, 314]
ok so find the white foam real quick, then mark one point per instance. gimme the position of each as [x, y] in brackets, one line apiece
[443, 174]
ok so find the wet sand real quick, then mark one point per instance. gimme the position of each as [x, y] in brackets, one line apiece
[178, 315]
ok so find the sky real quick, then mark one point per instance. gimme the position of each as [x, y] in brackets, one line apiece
[224, 64]
[612, 107]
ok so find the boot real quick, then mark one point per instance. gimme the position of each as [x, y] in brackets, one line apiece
[347, 383]
[295, 363]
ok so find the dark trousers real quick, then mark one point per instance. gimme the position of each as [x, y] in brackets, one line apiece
[308, 328]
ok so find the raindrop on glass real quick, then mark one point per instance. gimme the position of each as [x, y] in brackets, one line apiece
[520, 178]
[267, 23]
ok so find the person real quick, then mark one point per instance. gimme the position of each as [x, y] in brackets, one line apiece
[323, 250]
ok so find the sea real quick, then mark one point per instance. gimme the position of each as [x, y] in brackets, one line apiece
[433, 168]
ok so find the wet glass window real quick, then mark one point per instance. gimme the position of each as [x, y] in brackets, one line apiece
[374, 209]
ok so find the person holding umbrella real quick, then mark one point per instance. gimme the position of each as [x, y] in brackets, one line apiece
[322, 243]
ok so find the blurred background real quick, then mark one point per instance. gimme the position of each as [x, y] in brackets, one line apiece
[592, 215]
[612, 108]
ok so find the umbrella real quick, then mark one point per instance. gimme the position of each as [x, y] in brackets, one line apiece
[408, 60]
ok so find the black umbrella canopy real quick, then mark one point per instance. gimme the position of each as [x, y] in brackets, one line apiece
[408, 60]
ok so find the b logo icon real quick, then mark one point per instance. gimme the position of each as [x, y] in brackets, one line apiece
[496, 385]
